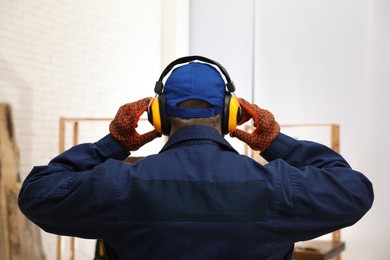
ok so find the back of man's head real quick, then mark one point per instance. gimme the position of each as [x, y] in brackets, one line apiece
[212, 121]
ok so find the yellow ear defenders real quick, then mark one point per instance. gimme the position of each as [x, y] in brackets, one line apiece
[231, 114]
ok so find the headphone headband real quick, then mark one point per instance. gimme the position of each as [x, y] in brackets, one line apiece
[159, 87]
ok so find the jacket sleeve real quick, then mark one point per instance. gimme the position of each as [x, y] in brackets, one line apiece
[318, 186]
[63, 197]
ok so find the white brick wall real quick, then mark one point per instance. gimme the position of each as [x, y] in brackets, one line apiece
[73, 58]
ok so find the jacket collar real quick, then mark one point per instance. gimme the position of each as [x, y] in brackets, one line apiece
[197, 132]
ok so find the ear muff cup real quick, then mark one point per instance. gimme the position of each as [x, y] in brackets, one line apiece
[154, 115]
[232, 114]
[157, 115]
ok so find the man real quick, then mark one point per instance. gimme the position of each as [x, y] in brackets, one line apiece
[197, 198]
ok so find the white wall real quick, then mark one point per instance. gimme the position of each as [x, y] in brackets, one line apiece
[322, 61]
[377, 138]
[74, 59]
[222, 30]
[174, 30]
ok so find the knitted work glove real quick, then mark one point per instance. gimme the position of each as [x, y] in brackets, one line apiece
[266, 128]
[122, 128]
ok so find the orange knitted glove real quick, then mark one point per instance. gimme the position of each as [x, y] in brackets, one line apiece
[123, 127]
[266, 128]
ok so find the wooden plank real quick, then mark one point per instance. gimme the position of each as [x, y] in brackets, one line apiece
[9, 155]
[19, 238]
[4, 247]
[318, 250]
[24, 237]
[75, 142]
[13, 223]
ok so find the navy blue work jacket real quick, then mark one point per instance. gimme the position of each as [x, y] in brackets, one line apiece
[198, 198]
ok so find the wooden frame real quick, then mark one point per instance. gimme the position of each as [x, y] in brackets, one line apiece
[76, 122]
[313, 249]
[75, 140]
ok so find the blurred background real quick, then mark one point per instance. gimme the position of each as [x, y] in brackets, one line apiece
[309, 62]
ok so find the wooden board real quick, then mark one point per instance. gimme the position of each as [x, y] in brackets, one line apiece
[8, 173]
[318, 250]
[19, 238]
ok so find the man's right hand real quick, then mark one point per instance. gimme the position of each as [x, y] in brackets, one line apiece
[266, 128]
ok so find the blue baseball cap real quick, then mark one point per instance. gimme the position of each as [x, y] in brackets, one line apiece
[194, 80]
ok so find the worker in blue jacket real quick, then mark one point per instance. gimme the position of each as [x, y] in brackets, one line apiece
[198, 198]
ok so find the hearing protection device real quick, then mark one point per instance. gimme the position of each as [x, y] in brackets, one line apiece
[231, 113]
